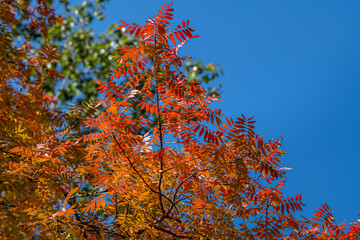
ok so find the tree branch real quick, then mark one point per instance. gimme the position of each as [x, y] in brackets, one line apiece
[133, 166]
[159, 125]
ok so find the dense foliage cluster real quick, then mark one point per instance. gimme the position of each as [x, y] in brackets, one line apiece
[149, 160]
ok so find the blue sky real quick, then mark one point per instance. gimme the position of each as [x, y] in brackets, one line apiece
[294, 65]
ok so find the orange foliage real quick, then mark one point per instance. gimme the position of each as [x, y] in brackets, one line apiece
[196, 174]
[29, 162]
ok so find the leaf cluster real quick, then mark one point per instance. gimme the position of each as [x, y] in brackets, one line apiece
[149, 160]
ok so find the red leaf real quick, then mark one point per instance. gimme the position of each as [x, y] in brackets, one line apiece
[167, 17]
[177, 36]
[135, 70]
[129, 71]
[164, 21]
[172, 38]
[182, 35]
[187, 33]
[201, 132]
[197, 128]
[228, 121]
[133, 30]
[121, 26]
[292, 207]
[221, 129]
[128, 29]
[288, 208]
[206, 134]
[137, 32]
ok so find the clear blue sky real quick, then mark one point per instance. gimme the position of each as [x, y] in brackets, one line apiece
[294, 65]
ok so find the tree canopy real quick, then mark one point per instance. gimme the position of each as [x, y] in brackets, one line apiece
[148, 160]
[86, 56]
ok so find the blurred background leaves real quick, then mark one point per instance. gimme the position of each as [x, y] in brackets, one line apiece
[87, 56]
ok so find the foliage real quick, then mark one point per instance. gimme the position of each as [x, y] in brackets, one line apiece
[195, 174]
[28, 184]
[86, 56]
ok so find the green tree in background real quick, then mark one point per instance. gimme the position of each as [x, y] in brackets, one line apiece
[86, 56]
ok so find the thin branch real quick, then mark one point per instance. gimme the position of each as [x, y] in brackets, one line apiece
[76, 214]
[116, 206]
[159, 125]
[171, 233]
[186, 179]
[8, 153]
[170, 168]
[174, 201]
[96, 228]
[133, 166]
